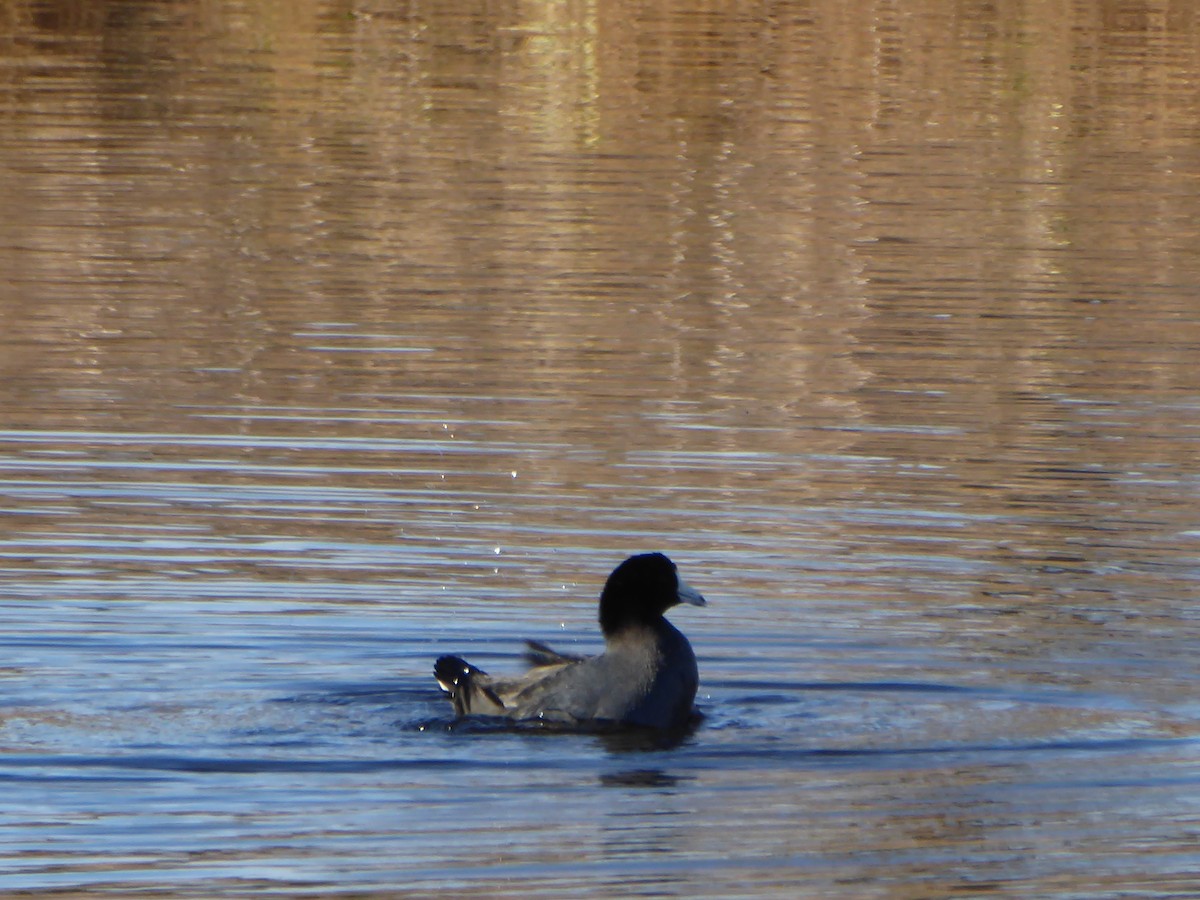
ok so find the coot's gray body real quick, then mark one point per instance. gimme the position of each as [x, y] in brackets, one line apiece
[645, 677]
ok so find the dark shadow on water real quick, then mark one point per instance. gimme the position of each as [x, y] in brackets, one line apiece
[641, 778]
[650, 740]
[614, 737]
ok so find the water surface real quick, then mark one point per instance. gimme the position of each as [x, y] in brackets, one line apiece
[340, 336]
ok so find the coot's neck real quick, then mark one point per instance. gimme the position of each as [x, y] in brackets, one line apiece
[614, 626]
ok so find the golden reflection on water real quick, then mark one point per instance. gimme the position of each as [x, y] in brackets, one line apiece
[722, 188]
[922, 234]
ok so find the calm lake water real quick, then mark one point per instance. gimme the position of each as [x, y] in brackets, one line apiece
[335, 336]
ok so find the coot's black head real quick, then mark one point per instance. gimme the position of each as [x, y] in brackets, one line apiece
[640, 590]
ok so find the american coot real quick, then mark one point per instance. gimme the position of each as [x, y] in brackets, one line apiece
[646, 675]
